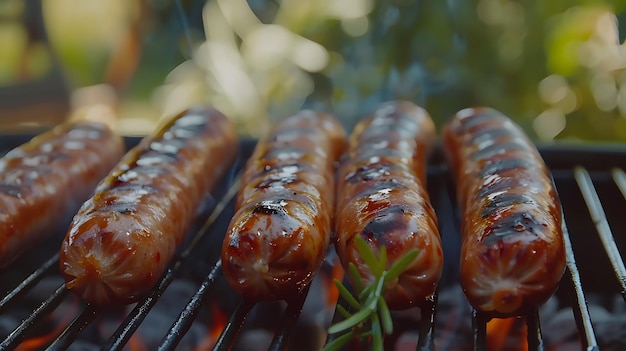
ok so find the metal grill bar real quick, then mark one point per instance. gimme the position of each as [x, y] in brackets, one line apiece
[29, 282]
[535, 341]
[227, 339]
[426, 338]
[69, 335]
[189, 313]
[230, 331]
[141, 310]
[292, 313]
[139, 313]
[602, 225]
[479, 331]
[27, 325]
[620, 179]
[581, 310]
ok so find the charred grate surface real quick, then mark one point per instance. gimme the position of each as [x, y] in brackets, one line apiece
[592, 185]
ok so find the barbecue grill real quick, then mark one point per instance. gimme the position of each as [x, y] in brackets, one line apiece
[591, 183]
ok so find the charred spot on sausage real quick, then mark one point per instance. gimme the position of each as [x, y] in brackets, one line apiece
[514, 224]
[12, 190]
[380, 185]
[370, 171]
[503, 200]
[498, 166]
[387, 222]
[496, 149]
[270, 207]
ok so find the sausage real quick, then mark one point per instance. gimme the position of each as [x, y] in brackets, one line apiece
[512, 250]
[382, 198]
[122, 239]
[280, 232]
[43, 182]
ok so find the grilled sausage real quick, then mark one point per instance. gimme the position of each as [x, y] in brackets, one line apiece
[43, 182]
[513, 252]
[279, 236]
[122, 239]
[382, 197]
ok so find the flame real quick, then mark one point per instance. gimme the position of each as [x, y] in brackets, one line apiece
[500, 329]
[336, 272]
[136, 343]
[38, 342]
[215, 329]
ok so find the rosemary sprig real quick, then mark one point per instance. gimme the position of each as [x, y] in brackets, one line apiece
[372, 318]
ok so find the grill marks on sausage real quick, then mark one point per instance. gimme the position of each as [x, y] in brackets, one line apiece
[129, 186]
[393, 123]
[511, 217]
[382, 198]
[123, 237]
[43, 181]
[280, 232]
[500, 165]
[371, 172]
[515, 224]
[389, 219]
[504, 200]
[11, 190]
[496, 149]
[22, 167]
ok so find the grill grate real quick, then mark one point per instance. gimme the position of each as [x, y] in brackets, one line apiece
[583, 176]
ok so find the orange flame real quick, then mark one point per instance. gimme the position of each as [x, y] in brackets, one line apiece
[215, 329]
[333, 293]
[38, 342]
[500, 330]
[136, 343]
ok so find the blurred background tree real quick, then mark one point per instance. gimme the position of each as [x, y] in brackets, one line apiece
[557, 67]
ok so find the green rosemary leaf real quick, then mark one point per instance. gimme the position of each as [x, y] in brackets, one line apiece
[367, 291]
[339, 343]
[377, 334]
[401, 265]
[346, 295]
[373, 319]
[370, 303]
[343, 312]
[356, 277]
[368, 256]
[355, 319]
[382, 257]
[385, 316]
[377, 291]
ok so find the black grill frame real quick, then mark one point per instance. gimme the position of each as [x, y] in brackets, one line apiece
[575, 167]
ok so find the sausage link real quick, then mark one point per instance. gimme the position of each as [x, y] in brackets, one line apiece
[122, 239]
[43, 182]
[382, 197]
[513, 252]
[280, 233]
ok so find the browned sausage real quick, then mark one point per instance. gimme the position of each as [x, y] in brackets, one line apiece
[122, 239]
[513, 252]
[279, 236]
[382, 197]
[44, 182]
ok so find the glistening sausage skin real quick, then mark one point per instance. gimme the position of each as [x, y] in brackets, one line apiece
[513, 252]
[122, 239]
[280, 233]
[382, 198]
[44, 182]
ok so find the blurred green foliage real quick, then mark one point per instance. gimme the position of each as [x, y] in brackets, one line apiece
[448, 55]
[557, 67]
